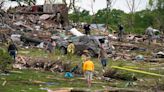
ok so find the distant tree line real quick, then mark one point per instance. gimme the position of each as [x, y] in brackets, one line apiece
[151, 16]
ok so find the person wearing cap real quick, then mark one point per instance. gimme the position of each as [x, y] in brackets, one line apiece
[88, 69]
[84, 54]
[71, 49]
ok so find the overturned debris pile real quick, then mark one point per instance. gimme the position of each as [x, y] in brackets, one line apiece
[23, 62]
[38, 63]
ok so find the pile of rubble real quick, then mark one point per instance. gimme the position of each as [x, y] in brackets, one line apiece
[40, 22]
[134, 52]
[34, 21]
[38, 63]
[24, 62]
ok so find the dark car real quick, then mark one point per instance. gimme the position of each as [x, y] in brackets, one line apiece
[90, 43]
[30, 40]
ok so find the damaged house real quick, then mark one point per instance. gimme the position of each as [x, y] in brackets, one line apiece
[35, 21]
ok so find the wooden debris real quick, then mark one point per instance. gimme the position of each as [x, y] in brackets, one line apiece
[41, 63]
[61, 90]
[114, 89]
[155, 60]
[112, 73]
[4, 83]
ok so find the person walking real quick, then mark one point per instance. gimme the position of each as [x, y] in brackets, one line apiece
[103, 57]
[150, 34]
[87, 29]
[120, 32]
[49, 46]
[88, 69]
[12, 49]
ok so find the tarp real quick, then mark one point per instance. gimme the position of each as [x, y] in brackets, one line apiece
[156, 30]
[15, 37]
[41, 45]
[75, 32]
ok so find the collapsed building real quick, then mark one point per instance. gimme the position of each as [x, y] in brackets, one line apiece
[37, 21]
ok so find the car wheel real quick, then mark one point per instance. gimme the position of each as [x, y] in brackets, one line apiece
[63, 50]
[91, 53]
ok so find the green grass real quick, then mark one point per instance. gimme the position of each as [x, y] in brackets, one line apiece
[32, 80]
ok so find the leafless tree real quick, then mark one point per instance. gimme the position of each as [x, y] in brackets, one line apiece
[69, 3]
[132, 6]
[109, 4]
[93, 13]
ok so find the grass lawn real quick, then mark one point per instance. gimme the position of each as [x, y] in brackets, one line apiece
[29, 80]
[34, 81]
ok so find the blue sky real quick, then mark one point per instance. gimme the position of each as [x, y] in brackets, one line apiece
[100, 4]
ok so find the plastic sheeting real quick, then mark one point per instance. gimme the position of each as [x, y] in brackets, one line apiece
[75, 32]
[44, 17]
[15, 37]
[41, 45]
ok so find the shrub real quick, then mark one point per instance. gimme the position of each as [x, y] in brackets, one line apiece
[5, 60]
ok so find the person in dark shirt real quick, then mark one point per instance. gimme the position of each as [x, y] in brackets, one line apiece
[120, 32]
[12, 49]
[87, 29]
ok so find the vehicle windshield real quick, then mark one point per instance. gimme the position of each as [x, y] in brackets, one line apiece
[73, 38]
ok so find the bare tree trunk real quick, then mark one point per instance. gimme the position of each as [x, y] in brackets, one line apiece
[133, 6]
[68, 5]
[76, 10]
[109, 2]
[93, 16]
[108, 6]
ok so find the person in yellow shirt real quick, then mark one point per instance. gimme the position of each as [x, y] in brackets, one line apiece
[70, 49]
[88, 69]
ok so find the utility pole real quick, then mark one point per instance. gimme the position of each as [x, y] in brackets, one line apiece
[107, 12]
